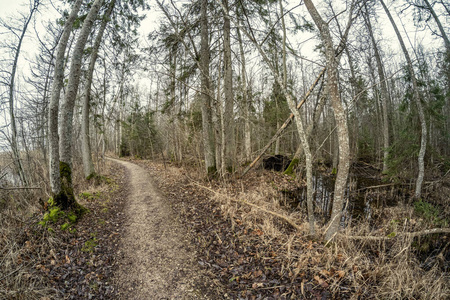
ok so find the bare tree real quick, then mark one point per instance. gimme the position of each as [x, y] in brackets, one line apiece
[341, 121]
[88, 165]
[228, 90]
[20, 35]
[53, 139]
[383, 88]
[416, 97]
[245, 99]
[207, 127]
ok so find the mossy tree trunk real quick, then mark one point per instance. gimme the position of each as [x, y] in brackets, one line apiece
[316, 116]
[53, 136]
[66, 199]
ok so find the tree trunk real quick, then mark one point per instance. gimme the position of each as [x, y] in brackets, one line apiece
[207, 127]
[53, 139]
[245, 102]
[66, 122]
[301, 132]
[315, 120]
[88, 165]
[416, 96]
[341, 122]
[14, 146]
[384, 91]
[228, 91]
[438, 23]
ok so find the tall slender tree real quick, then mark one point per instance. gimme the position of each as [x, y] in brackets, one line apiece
[341, 121]
[383, 88]
[88, 165]
[66, 121]
[53, 139]
[416, 97]
[228, 90]
[34, 4]
[207, 127]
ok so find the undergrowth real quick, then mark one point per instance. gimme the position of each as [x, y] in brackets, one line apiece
[22, 241]
[396, 266]
[33, 232]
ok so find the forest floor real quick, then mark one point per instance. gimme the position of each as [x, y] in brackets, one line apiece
[156, 230]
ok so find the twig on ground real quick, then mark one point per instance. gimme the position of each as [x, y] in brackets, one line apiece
[402, 234]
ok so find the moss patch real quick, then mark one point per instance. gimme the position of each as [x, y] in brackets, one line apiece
[290, 169]
[66, 198]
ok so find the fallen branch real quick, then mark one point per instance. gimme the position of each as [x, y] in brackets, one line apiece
[289, 221]
[285, 124]
[21, 188]
[381, 185]
[404, 234]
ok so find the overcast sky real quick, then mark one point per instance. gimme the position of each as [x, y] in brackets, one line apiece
[9, 8]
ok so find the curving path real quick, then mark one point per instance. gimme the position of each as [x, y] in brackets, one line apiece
[153, 260]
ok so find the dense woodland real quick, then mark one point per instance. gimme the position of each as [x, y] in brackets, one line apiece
[337, 98]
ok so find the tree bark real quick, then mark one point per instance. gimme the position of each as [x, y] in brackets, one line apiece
[53, 139]
[207, 127]
[301, 131]
[88, 165]
[245, 101]
[228, 91]
[384, 92]
[66, 122]
[416, 97]
[341, 122]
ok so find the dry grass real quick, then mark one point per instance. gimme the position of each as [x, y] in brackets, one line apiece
[23, 243]
[354, 268]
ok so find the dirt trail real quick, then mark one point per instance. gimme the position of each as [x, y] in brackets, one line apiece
[156, 261]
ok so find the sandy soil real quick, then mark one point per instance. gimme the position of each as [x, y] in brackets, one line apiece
[157, 261]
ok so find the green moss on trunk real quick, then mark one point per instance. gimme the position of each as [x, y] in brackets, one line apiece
[334, 171]
[66, 198]
[290, 169]
[91, 176]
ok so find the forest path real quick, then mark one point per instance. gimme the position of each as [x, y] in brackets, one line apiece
[154, 259]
